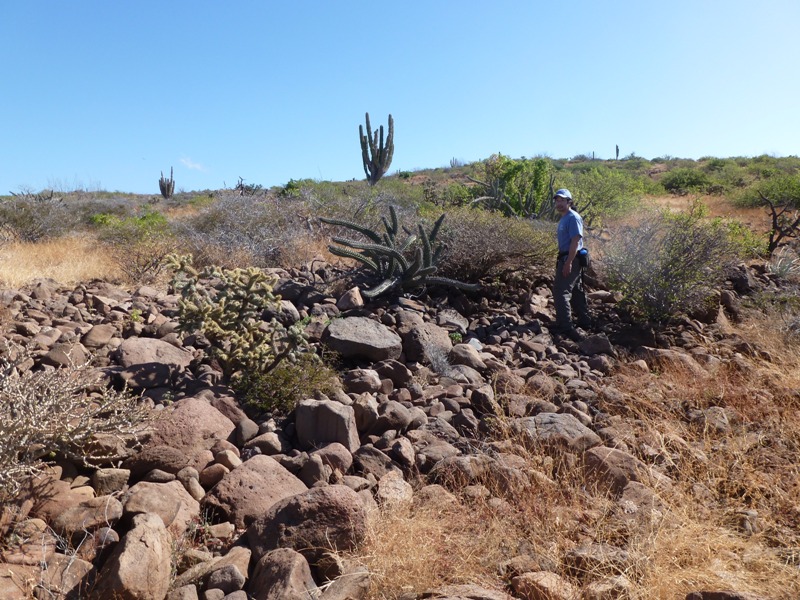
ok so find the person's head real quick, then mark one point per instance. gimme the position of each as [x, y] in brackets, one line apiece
[563, 200]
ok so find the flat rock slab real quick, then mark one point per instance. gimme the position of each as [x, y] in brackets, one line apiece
[362, 337]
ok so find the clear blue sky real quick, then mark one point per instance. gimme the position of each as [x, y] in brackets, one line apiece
[107, 94]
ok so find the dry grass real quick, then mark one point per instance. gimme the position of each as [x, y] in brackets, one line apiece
[411, 550]
[731, 520]
[68, 260]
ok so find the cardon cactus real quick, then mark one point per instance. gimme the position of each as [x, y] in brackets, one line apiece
[167, 186]
[375, 154]
[387, 256]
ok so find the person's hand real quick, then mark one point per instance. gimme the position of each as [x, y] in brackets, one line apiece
[566, 269]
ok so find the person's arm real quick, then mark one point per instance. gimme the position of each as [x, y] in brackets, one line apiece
[573, 251]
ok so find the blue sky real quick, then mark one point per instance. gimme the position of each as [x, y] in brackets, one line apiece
[106, 95]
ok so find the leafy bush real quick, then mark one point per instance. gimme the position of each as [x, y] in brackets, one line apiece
[684, 180]
[607, 192]
[58, 412]
[287, 384]
[667, 264]
[227, 305]
[514, 187]
[781, 189]
[515, 244]
[138, 244]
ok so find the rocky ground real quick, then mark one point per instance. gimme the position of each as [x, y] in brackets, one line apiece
[270, 503]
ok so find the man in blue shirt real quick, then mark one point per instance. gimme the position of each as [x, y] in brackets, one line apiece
[568, 291]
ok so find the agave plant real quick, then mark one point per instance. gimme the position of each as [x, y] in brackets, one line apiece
[388, 256]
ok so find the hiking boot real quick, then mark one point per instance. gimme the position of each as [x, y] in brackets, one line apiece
[569, 332]
[585, 323]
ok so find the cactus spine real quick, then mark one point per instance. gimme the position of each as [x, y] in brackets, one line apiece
[375, 154]
[167, 186]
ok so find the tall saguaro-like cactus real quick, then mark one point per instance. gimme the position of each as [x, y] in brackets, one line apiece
[376, 155]
[167, 186]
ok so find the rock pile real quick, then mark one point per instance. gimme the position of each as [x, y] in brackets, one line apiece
[278, 499]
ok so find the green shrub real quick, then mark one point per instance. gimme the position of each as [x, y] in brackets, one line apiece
[744, 242]
[514, 187]
[667, 264]
[608, 192]
[287, 384]
[781, 189]
[684, 180]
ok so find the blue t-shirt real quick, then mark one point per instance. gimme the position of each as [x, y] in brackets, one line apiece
[570, 225]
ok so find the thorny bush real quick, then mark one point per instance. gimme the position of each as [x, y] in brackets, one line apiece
[65, 412]
[667, 264]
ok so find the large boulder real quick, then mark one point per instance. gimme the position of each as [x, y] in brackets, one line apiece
[138, 351]
[192, 428]
[170, 501]
[251, 489]
[139, 566]
[612, 469]
[282, 574]
[361, 337]
[321, 422]
[559, 430]
[331, 518]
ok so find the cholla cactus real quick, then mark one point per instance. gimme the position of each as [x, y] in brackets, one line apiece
[229, 312]
[386, 255]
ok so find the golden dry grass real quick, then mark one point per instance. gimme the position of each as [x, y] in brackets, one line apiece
[698, 540]
[68, 260]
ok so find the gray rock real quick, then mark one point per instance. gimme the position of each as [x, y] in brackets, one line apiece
[227, 578]
[108, 481]
[363, 338]
[321, 422]
[559, 430]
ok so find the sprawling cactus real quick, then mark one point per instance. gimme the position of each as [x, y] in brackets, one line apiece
[388, 256]
[167, 186]
[230, 314]
[376, 155]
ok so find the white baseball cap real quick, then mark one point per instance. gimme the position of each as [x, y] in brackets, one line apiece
[563, 193]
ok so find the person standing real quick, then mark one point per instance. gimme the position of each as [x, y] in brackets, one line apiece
[568, 293]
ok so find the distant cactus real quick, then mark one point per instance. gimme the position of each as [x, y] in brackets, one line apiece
[387, 256]
[167, 186]
[376, 155]
[230, 314]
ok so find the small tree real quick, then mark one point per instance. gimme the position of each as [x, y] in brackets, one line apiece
[375, 154]
[783, 225]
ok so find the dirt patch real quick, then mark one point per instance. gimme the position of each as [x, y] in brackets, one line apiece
[757, 219]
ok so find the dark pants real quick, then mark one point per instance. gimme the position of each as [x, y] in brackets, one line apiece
[569, 296]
